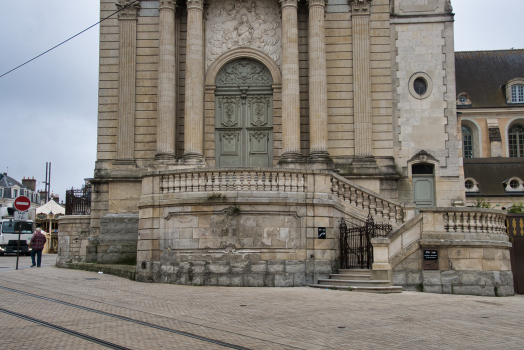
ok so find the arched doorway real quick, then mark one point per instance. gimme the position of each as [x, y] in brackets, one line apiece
[244, 115]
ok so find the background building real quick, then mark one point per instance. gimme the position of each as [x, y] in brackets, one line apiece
[11, 188]
[490, 101]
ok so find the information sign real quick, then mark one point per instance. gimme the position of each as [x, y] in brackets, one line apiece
[20, 216]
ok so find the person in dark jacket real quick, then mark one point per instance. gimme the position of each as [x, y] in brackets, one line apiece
[37, 245]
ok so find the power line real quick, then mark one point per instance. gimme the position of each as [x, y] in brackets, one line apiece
[74, 36]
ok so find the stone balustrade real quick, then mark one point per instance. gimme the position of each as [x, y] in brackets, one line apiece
[366, 200]
[283, 180]
[474, 221]
[211, 181]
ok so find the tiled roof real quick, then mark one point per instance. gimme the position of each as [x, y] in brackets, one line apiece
[483, 74]
[491, 172]
[8, 182]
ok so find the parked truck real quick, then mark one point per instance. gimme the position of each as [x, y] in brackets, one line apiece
[9, 230]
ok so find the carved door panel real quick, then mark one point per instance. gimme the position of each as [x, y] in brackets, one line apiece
[244, 130]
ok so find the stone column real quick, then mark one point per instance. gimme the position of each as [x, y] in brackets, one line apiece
[361, 10]
[127, 18]
[290, 84]
[167, 79]
[318, 131]
[194, 93]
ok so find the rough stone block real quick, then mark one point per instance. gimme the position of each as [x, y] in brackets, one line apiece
[431, 278]
[399, 278]
[219, 267]
[284, 280]
[259, 267]
[433, 289]
[254, 280]
[450, 277]
[295, 267]
[275, 266]
[413, 277]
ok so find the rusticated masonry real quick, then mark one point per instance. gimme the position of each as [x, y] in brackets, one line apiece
[127, 19]
[166, 82]
[361, 10]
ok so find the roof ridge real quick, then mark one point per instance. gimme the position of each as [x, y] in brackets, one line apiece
[490, 50]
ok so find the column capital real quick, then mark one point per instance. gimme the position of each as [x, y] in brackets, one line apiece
[360, 7]
[195, 4]
[312, 3]
[167, 4]
[289, 3]
[128, 9]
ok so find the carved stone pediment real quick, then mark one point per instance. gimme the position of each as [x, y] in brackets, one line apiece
[128, 9]
[244, 72]
[243, 23]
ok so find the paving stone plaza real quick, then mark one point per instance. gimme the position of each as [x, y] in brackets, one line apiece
[192, 317]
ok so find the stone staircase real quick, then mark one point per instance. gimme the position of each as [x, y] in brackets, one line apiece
[356, 280]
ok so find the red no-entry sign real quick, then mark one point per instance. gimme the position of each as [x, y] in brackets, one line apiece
[22, 203]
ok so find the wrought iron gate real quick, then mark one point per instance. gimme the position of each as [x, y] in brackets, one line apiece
[356, 251]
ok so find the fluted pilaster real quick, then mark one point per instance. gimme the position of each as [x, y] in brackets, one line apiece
[194, 94]
[166, 121]
[318, 132]
[290, 83]
[127, 19]
[363, 125]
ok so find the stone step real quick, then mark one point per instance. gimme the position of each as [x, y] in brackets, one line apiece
[354, 272]
[381, 290]
[355, 283]
[348, 276]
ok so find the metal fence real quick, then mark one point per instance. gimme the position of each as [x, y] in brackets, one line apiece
[356, 251]
[78, 202]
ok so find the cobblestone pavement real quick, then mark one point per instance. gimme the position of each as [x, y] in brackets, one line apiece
[253, 318]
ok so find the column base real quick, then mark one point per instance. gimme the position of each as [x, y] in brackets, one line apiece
[194, 159]
[291, 157]
[364, 166]
[164, 156]
[320, 160]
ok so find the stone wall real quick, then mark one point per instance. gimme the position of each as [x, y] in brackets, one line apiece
[73, 239]
[118, 239]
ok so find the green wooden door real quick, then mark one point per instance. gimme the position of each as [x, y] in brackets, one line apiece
[424, 191]
[244, 115]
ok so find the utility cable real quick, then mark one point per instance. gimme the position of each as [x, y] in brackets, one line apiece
[74, 36]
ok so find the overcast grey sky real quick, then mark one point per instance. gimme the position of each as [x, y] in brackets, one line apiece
[48, 108]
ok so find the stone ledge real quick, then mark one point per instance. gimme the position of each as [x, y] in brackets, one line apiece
[125, 271]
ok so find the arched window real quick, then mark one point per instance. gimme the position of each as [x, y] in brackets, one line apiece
[516, 141]
[467, 142]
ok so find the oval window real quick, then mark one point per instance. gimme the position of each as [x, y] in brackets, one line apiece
[514, 184]
[420, 86]
[469, 184]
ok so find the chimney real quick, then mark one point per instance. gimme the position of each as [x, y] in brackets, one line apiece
[29, 183]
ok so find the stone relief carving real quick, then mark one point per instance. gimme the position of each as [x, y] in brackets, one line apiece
[244, 72]
[128, 9]
[243, 23]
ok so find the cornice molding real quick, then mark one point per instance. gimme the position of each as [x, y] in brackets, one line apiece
[128, 9]
[499, 110]
[360, 7]
[167, 4]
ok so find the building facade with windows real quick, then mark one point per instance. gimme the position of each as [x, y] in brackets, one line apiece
[234, 136]
[11, 188]
[490, 103]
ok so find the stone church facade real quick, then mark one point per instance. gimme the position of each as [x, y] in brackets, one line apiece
[230, 132]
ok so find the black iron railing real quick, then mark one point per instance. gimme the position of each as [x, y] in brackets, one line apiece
[356, 250]
[78, 202]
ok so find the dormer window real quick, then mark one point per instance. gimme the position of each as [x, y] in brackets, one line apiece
[471, 185]
[515, 91]
[513, 184]
[463, 99]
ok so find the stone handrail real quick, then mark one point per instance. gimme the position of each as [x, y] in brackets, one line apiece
[233, 180]
[282, 180]
[474, 220]
[366, 200]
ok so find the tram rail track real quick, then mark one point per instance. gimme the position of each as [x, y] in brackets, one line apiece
[123, 318]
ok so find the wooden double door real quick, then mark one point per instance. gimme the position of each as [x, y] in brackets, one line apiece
[244, 126]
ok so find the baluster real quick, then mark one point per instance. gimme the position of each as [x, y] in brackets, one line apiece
[162, 184]
[380, 208]
[365, 201]
[353, 196]
[360, 199]
[209, 182]
[451, 222]
[294, 182]
[372, 205]
[267, 181]
[287, 182]
[223, 181]
[392, 212]
[482, 222]
[171, 184]
[458, 222]
[334, 186]
[400, 216]
[202, 181]
[183, 188]
[476, 224]
[490, 223]
[385, 210]
[446, 222]
[302, 183]
[471, 222]
[176, 180]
